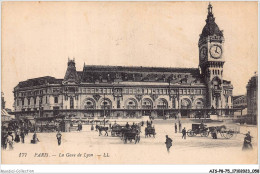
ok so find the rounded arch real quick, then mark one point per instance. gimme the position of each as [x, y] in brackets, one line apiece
[147, 103]
[199, 103]
[216, 82]
[185, 103]
[131, 103]
[89, 103]
[162, 103]
[105, 103]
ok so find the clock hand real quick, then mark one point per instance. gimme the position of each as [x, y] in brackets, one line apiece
[216, 51]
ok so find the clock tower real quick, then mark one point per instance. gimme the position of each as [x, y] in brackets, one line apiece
[211, 60]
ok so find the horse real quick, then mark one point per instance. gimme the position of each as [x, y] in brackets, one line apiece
[102, 128]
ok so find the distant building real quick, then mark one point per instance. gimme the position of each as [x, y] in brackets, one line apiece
[5, 116]
[98, 91]
[240, 101]
[252, 103]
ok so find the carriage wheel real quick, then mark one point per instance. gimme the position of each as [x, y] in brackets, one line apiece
[229, 134]
[192, 133]
[189, 133]
[222, 133]
[204, 134]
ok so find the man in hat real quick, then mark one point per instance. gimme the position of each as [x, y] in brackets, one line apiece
[168, 143]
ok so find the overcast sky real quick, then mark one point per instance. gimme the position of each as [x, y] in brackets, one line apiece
[38, 37]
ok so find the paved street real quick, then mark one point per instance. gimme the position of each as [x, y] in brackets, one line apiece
[193, 150]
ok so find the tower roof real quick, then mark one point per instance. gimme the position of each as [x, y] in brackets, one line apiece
[211, 28]
[71, 73]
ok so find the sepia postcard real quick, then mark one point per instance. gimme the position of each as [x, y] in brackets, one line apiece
[129, 83]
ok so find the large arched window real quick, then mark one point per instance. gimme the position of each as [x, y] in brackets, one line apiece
[185, 103]
[147, 103]
[89, 104]
[199, 104]
[162, 103]
[106, 104]
[131, 104]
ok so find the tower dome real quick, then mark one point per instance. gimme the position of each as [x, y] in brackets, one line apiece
[211, 28]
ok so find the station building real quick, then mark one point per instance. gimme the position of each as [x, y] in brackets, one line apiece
[121, 91]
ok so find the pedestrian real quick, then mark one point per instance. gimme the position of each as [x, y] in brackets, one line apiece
[214, 134]
[168, 143]
[184, 133]
[17, 137]
[4, 140]
[147, 123]
[92, 127]
[175, 126]
[10, 141]
[127, 125]
[59, 137]
[247, 142]
[179, 126]
[34, 138]
[22, 136]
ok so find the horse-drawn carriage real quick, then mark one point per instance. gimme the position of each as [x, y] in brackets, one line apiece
[223, 131]
[204, 131]
[117, 130]
[149, 130]
[198, 129]
[130, 135]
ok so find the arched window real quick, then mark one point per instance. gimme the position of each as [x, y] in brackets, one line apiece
[147, 104]
[162, 103]
[89, 104]
[131, 104]
[185, 103]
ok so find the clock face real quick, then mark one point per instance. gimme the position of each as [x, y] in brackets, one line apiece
[216, 51]
[203, 53]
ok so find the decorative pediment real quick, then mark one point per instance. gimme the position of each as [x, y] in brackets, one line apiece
[154, 96]
[96, 97]
[139, 97]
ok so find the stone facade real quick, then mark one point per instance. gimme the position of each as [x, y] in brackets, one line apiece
[252, 103]
[116, 91]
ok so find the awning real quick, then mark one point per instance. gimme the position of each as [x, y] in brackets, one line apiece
[5, 116]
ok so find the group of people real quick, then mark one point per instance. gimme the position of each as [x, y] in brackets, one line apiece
[12, 135]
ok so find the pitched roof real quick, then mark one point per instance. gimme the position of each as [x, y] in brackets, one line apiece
[39, 81]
